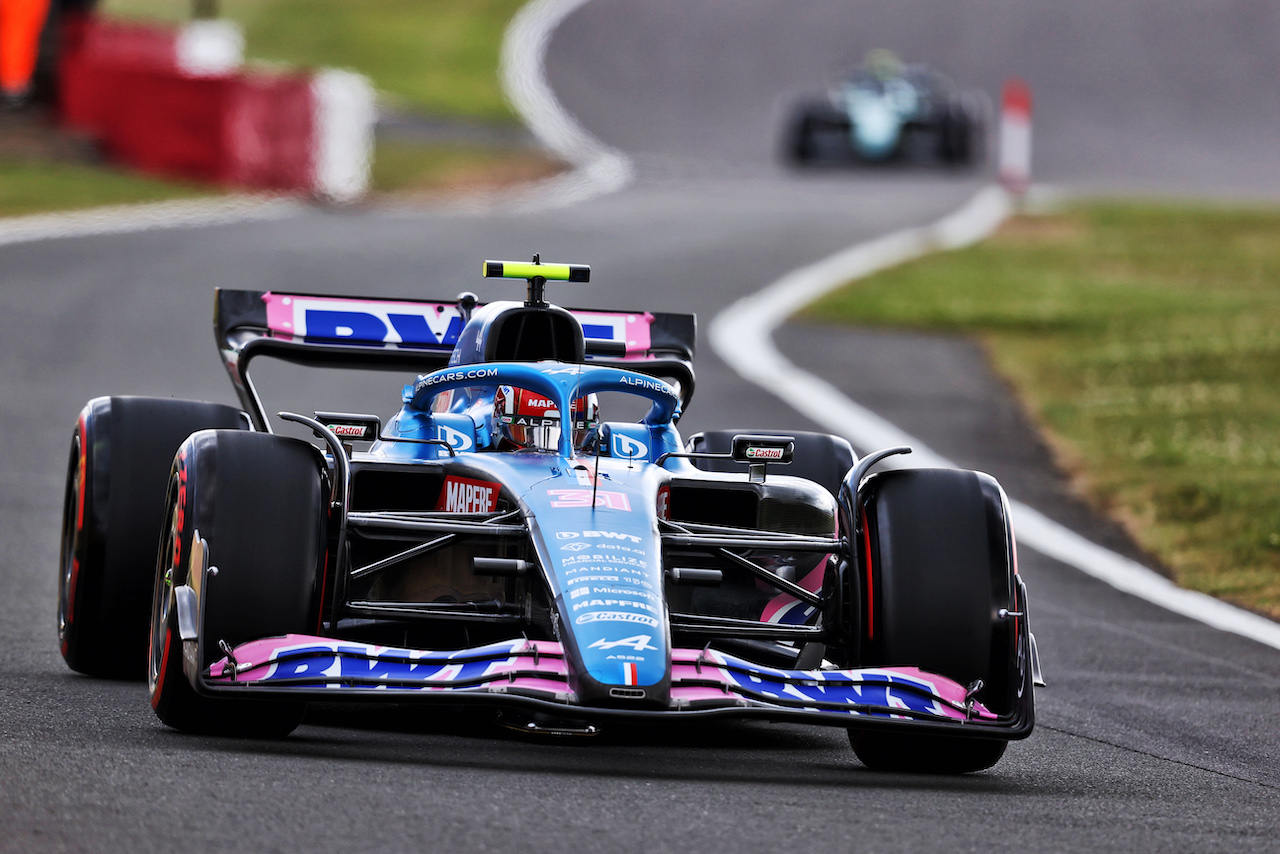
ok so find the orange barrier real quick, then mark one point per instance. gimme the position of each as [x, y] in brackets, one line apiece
[20, 25]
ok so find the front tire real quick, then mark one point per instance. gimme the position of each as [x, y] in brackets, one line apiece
[113, 509]
[939, 568]
[253, 506]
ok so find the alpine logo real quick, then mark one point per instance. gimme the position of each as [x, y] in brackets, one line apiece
[464, 495]
[639, 643]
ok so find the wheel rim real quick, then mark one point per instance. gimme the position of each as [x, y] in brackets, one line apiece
[162, 596]
[72, 539]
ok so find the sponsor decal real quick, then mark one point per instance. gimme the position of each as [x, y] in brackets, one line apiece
[608, 579]
[597, 535]
[392, 665]
[582, 498]
[616, 617]
[457, 440]
[892, 691]
[464, 495]
[754, 453]
[639, 643]
[643, 382]
[619, 560]
[623, 591]
[664, 502]
[575, 547]
[348, 431]
[597, 579]
[577, 594]
[614, 603]
[628, 448]
[430, 380]
[365, 321]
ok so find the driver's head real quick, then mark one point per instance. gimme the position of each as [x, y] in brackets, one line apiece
[530, 420]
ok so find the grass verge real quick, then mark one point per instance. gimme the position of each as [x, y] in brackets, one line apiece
[32, 185]
[1146, 339]
[408, 170]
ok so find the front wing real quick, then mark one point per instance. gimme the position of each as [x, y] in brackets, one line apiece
[533, 674]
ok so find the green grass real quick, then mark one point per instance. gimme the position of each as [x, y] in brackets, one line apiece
[436, 56]
[36, 186]
[406, 169]
[1146, 338]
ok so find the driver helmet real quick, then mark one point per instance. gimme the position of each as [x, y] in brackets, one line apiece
[883, 64]
[527, 419]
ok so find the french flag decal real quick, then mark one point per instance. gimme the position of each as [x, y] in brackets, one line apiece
[630, 675]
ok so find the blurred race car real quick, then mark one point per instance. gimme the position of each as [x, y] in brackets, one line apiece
[501, 543]
[885, 111]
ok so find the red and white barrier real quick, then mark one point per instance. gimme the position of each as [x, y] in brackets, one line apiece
[177, 102]
[1015, 137]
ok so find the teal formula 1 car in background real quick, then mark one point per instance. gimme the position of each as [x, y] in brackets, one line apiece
[888, 112]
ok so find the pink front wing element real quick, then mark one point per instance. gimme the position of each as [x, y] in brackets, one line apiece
[908, 688]
[784, 603]
[699, 678]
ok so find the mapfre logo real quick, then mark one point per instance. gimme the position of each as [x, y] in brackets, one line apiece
[464, 495]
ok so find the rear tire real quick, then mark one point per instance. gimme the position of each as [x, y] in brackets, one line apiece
[818, 133]
[957, 136]
[800, 141]
[256, 504]
[113, 510]
[940, 568]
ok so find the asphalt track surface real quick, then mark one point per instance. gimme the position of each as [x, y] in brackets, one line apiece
[1156, 733]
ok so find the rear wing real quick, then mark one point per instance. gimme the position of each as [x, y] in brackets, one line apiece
[417, 335]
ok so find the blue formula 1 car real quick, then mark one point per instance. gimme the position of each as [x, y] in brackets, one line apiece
[498, 543]
[886, 111]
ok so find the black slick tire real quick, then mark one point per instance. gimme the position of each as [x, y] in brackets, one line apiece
[255, 506]
[121, 451]
[938, 570]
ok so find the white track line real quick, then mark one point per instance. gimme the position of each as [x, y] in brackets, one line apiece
[125, 219]
[597, 168]
[742, 335]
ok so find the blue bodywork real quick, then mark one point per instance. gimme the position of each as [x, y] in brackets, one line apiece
[613, 598]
